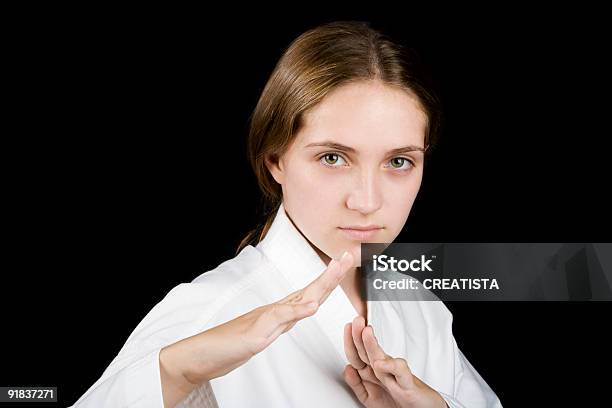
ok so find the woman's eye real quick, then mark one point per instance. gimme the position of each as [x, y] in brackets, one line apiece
[332, 159]
[401, 163]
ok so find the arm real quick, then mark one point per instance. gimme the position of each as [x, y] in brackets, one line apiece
[156, 379]
[174, 383]
[135, 385]
[146, 375]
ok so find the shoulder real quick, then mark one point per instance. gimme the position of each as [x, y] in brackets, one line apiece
[209, 297]
[235, 271]
[229, 279]
[237, 285]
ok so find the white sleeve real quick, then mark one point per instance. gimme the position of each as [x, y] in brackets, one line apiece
[471, 391]
[136, 385]
[133, 377]
[139, 385]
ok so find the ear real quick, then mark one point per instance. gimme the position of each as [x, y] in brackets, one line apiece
[274, 165]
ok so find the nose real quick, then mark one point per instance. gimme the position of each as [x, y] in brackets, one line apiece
[365, 194]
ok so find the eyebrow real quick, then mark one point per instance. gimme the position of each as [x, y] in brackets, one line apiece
[338, 146]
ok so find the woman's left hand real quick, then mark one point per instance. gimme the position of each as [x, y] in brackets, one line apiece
[379, 380]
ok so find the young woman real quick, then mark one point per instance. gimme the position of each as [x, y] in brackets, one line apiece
[338, 142]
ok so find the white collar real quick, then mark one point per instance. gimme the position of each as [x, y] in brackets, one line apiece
[300, 264]
[290, 252]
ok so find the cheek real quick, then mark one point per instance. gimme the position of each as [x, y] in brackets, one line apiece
[399, 202]
[409, 189]
[310, 188]
[313, 199]
[407, 195]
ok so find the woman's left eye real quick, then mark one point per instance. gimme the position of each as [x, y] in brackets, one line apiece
[400, 163]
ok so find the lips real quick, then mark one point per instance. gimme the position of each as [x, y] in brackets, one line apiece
[361, 233]
[362, 228]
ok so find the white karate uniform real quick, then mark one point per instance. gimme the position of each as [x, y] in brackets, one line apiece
[304, 366]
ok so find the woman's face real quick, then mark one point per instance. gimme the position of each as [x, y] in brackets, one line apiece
[344, 167]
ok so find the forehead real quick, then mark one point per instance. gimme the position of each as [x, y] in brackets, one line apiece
[366, 114]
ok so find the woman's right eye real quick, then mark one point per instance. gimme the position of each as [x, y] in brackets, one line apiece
[332, 159]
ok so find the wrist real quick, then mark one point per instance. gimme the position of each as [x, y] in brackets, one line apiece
[174, 364]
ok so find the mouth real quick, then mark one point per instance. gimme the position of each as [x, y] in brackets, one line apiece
[360, 233]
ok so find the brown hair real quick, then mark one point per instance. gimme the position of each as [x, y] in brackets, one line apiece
[314, 64]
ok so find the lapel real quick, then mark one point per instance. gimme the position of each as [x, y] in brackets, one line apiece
[298, 262]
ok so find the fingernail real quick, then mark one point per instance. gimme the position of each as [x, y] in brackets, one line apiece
[312, 305]
[344, 255]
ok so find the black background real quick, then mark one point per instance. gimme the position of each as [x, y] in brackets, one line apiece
[125, 174]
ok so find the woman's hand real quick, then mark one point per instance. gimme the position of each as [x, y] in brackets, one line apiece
[379, 380]
[221, 349]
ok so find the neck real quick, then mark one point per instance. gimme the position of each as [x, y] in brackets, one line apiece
[350, 284]
[352, 275]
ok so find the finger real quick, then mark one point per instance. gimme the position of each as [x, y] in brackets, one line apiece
[367, 374]
[295, 297]
[375, 355]
[319, 289]
[365, 371]
[372, 348]
[350, 350]
[358, 326]
[352, 378]
[398, 367]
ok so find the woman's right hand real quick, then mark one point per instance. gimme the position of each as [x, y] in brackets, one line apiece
[219, 350]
